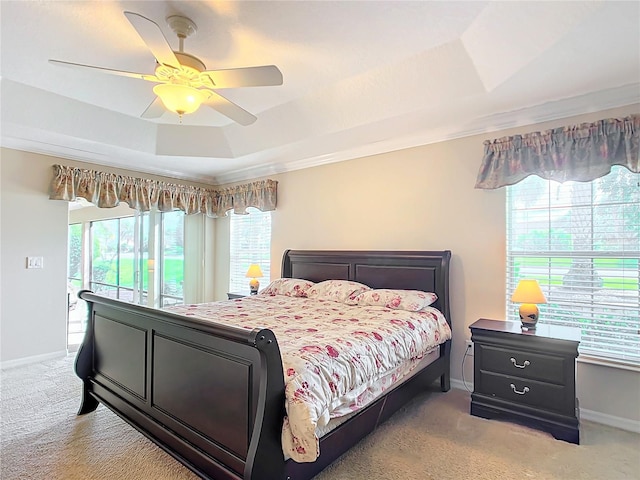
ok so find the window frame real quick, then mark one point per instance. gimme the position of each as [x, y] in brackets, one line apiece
[594, 347]
[243, 250]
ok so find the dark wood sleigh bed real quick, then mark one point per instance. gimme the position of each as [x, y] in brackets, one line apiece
[212, 396]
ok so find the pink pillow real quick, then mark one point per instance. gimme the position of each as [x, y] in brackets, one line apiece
[336, 290]
[410, 300]
[289, 287]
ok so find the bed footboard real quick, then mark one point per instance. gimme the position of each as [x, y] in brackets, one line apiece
[210, 395]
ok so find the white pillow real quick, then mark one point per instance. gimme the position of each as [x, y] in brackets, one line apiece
[410, 300]
[336, 290]
[289, 287]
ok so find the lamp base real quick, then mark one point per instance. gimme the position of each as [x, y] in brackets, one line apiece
[529, 315]
[254, 285]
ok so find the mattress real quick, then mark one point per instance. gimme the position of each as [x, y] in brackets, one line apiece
[335, 422]
[337, 358]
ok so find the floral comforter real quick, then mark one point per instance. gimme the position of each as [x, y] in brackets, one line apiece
[337, 358]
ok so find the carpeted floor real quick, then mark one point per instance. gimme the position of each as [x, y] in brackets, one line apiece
[432, 438]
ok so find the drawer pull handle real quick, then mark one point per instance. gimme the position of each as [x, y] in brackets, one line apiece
[525, 364]
[524, 390]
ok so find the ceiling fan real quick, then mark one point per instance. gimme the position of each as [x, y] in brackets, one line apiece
[183, 82]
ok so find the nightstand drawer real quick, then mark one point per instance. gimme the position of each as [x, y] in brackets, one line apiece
[521, 363]
[528, 392]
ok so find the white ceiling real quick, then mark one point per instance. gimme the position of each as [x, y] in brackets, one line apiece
[359, 77]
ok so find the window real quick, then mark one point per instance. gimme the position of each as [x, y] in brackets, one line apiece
[172, 255]
[581, 241]
[250, 242]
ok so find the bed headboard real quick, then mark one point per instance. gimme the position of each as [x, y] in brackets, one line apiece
[407, 270]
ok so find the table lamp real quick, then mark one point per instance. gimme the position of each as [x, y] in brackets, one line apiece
[254, 273]
[528, 294]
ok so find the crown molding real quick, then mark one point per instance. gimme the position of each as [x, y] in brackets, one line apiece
[48, 143]
[626, 95]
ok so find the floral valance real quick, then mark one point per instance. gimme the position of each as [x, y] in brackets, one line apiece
[582, 152]
[107, 190]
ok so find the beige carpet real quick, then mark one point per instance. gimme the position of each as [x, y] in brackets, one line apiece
[432, 438]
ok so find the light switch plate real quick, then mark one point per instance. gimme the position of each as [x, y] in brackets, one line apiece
[35, 262]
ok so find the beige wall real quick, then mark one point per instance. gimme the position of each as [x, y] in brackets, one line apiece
[33, 302]
[33, 306]
[424, 198]
[419, 198]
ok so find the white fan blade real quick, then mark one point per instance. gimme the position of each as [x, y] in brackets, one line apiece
[151, 34]
[267, 75]
[229, 109]
[122, 73]
[155, 109]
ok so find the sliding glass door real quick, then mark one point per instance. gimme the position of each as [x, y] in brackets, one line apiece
[113, 266]
[74, 265]
[76, 311]
[137, 259]
[172, 258]
[121, 255]
[141, 259]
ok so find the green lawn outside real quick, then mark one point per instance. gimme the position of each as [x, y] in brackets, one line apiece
[601, 264]
[173, 272]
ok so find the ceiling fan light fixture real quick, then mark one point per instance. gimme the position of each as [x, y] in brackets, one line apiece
[183, 82]
[180, 99]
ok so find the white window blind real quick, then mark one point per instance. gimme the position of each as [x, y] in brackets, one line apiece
[250, 242]
[581, 241]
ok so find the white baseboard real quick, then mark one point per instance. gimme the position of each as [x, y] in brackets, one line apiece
[610, 420]
[18, 362]
[589, 415]
[460, 385]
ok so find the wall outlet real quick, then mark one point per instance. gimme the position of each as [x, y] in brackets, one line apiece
[469, 349]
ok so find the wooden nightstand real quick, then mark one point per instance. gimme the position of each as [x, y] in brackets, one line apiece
[233, 295]
[526, 376]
